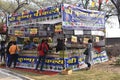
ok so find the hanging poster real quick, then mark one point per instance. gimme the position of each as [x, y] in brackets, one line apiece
[85, 40]
[19, 33]
[58, 28]
[13, 38]
[33, 31]
[77, 18]
[97, 39]
[74, 39]
[27, 39]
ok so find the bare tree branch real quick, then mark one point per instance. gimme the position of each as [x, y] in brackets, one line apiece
[20, 5]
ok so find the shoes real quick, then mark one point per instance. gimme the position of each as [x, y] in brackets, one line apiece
[88, 68]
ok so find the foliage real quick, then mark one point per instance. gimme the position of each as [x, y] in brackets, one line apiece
[117, 5]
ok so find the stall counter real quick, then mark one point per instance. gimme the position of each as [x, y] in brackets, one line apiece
[56, 62]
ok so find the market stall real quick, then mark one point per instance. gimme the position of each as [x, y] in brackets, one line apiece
[69, 23]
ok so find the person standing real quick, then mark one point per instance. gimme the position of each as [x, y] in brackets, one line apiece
[59, 45]
[42, 49]
[13, 56]
[2, 51]
[8, 53]
[88, 57]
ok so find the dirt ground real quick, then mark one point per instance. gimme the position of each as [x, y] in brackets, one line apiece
[108, 66]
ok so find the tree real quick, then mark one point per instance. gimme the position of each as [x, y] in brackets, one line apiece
[5, 10]
[117, 5]
[21, 4]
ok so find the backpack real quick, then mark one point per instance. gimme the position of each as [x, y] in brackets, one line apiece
[42, 48]
[39, 47]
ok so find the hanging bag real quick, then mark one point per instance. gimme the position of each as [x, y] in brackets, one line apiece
[86, 51]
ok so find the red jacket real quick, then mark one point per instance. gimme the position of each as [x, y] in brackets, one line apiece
[41, 48]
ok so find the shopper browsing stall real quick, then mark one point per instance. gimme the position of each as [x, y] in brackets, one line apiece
[42, 50]
[2, 51]
[29, 45]
[8, 53]
[88, 57]
[13, 55]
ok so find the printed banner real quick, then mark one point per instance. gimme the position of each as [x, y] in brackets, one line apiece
[77, 18]
[47, 12]
[56, 64]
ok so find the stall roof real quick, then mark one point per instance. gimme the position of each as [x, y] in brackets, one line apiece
[54, 21]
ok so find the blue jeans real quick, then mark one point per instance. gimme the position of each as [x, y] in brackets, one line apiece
[8, 59]
[42, 60]
[13, 58]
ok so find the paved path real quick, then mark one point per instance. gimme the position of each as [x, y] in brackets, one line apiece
[8, 75]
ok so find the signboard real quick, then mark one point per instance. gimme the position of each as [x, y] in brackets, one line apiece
[56, 64]
[78, 32]
[85, 40]
[19, 33]
[69, 32]
[58, 28]
[33, 31]
[77, 18]
[51, 63]
[50, 11]
[74, 39]
[99, 33]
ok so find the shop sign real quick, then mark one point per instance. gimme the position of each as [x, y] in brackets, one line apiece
[50, 11]
[56, 64]
[78, 18]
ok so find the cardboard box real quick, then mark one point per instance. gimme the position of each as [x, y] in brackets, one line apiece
[66, 71]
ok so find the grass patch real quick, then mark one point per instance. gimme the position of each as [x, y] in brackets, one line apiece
[93, 74]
